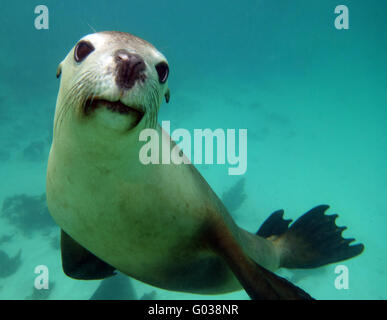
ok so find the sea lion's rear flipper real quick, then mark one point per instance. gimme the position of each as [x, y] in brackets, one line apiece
[268, 285]
[315, 240]
[259, 283]
[274, 225]
[262, 284]
[79, 263]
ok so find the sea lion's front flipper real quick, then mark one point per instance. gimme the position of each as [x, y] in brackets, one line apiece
[259, 283]
[79, 263]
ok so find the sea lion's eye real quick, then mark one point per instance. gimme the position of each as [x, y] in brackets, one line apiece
[163, 71]
[82, 50]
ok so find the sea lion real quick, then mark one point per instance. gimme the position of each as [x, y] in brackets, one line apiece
[161, 224]
[119, 287]
[8, 265]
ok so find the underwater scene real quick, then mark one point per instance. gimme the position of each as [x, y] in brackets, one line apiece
[279, 105]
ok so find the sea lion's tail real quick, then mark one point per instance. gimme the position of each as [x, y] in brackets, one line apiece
[312, 241]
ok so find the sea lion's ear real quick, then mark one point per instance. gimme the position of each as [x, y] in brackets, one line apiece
[167, 96]
[59, 71]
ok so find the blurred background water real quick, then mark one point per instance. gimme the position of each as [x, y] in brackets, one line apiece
[312, 97]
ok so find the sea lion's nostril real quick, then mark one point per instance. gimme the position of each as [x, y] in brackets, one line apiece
[129, 68]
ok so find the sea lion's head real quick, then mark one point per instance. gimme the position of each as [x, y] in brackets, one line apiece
[113, 79]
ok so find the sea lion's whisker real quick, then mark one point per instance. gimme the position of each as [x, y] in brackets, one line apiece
[75, 96]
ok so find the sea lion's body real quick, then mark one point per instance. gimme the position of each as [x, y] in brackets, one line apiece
[161, 224]
[149, 221]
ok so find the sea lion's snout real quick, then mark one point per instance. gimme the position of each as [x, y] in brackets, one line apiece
[130, 68]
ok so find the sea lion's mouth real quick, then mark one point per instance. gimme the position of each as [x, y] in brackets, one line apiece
[135, 112]
[114, 106]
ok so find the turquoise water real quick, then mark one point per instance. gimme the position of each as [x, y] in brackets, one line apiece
[312, 97]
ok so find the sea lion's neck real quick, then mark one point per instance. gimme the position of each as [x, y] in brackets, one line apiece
[88, 140]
